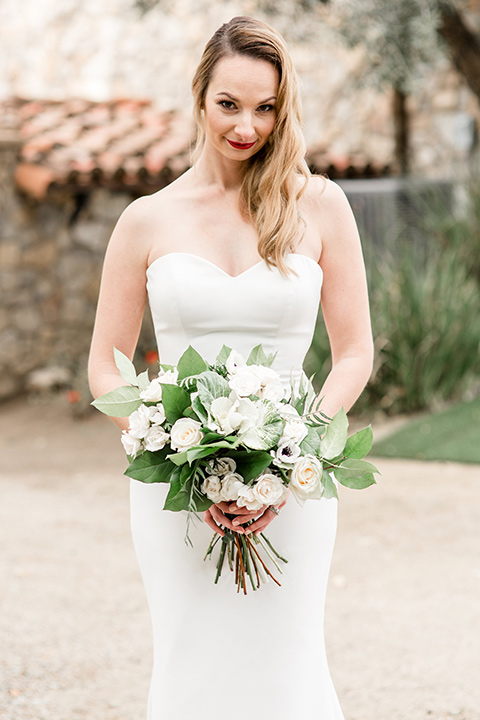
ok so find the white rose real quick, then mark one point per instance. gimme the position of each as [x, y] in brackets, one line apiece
[185, 433]
[245, 382]
[234, 362]
[294, 430]
[247, 498]
[287, 452]
[156, 438]
[153, 393]
[212, 488]
[305, 479]
[131, 444]
[271, 387]
[221, 466]
[269, 489]
[231, 485]
[139, 421]
[158, 417]
[169, 377]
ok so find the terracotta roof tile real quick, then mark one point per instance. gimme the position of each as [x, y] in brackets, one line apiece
[120, 143]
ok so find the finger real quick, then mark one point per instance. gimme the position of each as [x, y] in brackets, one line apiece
[262, 522]
[211, 523]
[245, 518]
[222, 519]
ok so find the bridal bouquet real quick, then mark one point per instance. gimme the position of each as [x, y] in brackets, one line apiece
[231, 432]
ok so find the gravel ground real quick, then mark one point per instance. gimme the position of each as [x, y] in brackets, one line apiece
[403, 611]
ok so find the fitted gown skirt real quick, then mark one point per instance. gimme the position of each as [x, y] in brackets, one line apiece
[219, 655]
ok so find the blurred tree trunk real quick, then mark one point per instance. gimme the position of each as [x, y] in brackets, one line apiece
[401, 130]
[463, 44]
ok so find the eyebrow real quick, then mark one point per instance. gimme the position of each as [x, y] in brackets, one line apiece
[273, 97]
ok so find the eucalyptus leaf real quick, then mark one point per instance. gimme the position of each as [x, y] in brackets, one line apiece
[356, 474]
[151, 467]
[143, 381]
[190, 363]
[336, 435]
[259, 357]
[175, 401]
[359, 444]
[223, 355]
[125, 367]
[310, 445]
[121, 402]
[329, 489]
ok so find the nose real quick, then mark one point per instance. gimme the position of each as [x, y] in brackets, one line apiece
[244, 127]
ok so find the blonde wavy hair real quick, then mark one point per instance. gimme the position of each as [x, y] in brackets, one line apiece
[270, 188]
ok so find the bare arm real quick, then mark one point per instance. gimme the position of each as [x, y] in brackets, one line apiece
[121, 301]
[344, 304]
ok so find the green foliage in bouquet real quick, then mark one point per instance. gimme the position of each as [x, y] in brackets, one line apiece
[231, 432]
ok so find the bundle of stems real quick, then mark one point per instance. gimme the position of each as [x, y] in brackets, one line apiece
[242, 553]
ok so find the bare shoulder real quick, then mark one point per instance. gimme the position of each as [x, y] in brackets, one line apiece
[325, 195]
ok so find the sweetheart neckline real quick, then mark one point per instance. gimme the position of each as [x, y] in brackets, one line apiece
[221, 270]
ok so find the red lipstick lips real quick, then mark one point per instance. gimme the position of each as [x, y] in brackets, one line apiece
[241, 146]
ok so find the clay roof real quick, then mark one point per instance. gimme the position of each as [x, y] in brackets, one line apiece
[123, 144]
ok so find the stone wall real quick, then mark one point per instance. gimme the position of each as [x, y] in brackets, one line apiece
[51, 256]
[106, 50]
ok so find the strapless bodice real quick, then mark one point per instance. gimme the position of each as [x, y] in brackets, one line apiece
[194, 302]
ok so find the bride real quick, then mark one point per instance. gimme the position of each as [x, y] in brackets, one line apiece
[238, 251]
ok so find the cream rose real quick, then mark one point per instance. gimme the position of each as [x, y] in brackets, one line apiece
[271, 387]
[247, 498]
[212, 488]
[130, 444]
[269, 489]
[231, 485]
[185, 433]
[221, 466]
[305, 479]
[156, 438]
[158, 416]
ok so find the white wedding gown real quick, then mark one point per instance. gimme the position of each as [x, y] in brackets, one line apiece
[219, 655]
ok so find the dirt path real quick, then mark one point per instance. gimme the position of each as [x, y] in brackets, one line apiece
[403, 614]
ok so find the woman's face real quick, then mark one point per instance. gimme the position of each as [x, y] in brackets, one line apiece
[239, 108]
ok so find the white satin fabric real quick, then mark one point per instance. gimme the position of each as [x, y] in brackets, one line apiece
[219, 655]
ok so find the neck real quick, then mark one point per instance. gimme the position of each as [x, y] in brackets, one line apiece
[213, 168]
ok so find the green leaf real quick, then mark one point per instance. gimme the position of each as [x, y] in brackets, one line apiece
[222, 356]
[251, 463]
[330, 491]
[143, 381]
[190, 363]
[356, 474]
[121, 402]
[210, 386]
[258, 357]
[151, 467]
[210, 437]
[166, 368]
[175, 400]
[180, 492]
[198, 451]
[336, 435]
[266, 435]
[125, 367]
[359, 444]
[310, 445]
[200, 411]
